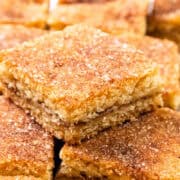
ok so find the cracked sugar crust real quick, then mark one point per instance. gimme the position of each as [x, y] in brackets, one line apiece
[149, 148]
[12, 35]
[28, 12]
[72, 68]
[25, 148]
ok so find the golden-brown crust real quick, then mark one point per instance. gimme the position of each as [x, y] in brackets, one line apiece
[25, 148]
[82, 65]
[29, 12]
[165, 54]
[148, 148]
[12, 35]
[112, 16]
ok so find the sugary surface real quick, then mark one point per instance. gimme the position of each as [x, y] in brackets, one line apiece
[149, 147]
[164, 53]
[12, 35]
[112, 16]
[28, 12]
[77, 65]
[25, 148]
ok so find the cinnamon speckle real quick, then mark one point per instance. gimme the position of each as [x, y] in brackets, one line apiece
[24, 141]
[144, 148]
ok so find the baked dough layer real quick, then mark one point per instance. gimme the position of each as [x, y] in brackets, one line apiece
[76, 132]
[144, 149]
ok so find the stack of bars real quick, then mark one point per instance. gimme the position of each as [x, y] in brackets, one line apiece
[101, 93]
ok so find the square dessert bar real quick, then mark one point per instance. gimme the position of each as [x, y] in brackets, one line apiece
[112, 16]
[26, 150]
[164, 19]
[80, 81]
[12, 35]
[165, 54]
[25, 12]
[145, 149]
